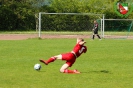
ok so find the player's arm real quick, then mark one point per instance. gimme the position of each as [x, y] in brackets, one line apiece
[96, 26]
[85, 50]
[82, 42]
[93, 28]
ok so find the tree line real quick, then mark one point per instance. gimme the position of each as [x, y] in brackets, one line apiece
[22, 15]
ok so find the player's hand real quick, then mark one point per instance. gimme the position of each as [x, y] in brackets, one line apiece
[82, 42]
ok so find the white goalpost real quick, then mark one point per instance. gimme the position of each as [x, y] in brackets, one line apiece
[96, 16]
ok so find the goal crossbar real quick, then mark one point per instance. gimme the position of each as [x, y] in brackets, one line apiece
[120, 19]
[72, 13]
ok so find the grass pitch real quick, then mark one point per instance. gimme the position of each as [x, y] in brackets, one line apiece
[107, 64]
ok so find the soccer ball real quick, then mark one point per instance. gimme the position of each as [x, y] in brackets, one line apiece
[37, 66]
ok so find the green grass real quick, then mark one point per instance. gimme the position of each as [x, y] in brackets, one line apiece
[107, 64]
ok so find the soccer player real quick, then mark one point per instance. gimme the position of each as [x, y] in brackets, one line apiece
[95, 30]
[69, 57]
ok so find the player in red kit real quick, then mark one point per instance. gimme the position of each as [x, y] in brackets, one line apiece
[69, 57]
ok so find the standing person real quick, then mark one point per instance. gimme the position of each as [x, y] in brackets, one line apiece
[69, 57]
[95, 30]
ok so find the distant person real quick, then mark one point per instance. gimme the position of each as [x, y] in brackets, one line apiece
[69, 57]
[95, 30]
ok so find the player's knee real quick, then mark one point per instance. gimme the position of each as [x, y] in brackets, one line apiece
[62, 70]
[58, 57]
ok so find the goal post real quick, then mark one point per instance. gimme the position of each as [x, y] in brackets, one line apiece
[69, 22]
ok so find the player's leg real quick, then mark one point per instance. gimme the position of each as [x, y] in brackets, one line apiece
[70, 61]
[51, 59]
[93, 36]
[64, 69]
[98, 36]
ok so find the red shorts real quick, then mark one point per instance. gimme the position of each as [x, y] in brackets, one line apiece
[69, 58]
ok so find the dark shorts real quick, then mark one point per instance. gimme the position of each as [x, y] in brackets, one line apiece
[69, 58]
[95, 32]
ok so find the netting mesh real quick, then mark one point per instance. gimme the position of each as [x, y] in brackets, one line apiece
[67, 22]
[118, 28]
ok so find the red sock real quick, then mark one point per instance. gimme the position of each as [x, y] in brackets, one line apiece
[68, 71]
[52, 59]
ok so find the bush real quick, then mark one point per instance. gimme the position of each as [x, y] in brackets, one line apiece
[7, 19]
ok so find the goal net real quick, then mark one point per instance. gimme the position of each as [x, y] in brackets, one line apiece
[118, 28]
[68, 23]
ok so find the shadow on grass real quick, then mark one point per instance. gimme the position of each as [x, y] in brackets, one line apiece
[101, 71]
[40, 71]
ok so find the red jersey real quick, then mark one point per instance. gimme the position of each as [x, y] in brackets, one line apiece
[71, 56]
[79, 49]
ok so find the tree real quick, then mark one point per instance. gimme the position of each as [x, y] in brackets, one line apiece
[7, 19]
[21, 14]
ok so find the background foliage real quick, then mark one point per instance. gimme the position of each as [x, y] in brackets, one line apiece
[20, 15]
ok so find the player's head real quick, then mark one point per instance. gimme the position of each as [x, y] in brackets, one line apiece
[95, 21]
[80, 40]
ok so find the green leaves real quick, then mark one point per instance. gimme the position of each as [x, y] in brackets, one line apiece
[20, 14]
